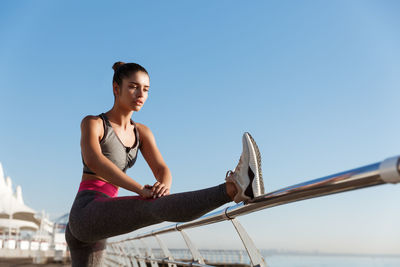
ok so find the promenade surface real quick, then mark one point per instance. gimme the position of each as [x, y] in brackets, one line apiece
[28, 262]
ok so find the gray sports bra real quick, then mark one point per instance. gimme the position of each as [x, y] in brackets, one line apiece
[112, 147]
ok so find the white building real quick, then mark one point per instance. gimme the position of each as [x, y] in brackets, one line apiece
[24, 233]
[15, 216]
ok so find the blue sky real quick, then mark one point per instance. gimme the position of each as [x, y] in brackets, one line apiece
[316, 83]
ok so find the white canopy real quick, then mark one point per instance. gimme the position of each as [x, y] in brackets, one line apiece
[18, 224]
[12, 207]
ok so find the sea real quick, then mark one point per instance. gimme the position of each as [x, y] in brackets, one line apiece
[288, 259]
[331, 261]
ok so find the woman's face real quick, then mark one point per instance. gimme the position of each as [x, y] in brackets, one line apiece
[133, 92]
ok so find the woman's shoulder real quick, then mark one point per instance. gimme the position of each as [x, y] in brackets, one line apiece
[143, 129]
[91, 121]
[144, 132]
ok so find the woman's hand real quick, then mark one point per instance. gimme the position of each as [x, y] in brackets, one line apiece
[159, 190]
[147, 192]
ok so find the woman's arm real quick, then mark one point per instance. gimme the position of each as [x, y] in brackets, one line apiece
[91, 134]
[155, 161]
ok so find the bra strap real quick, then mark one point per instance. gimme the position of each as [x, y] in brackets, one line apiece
[105, 119]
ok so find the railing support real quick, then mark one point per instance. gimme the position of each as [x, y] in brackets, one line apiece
[116, 252]
[134, 262]
[126, 260]
[165, 250]
[139, 258]
[255, 256]
[149, 254]
[195, 252]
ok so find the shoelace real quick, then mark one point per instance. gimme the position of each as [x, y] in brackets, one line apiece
[228, 173]
[237, 169]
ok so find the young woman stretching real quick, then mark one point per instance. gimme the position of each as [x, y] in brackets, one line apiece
[110, 144]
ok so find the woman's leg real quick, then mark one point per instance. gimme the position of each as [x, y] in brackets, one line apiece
[84, 254]
[105, 217]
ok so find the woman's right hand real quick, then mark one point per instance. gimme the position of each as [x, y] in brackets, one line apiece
[146, 191]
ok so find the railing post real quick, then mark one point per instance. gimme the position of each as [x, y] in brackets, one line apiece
[106, 257]
[122, 257]
[115, 254]
[195, 252]
[112, 254]
[165, 250]
[111, 257]
[142, 263]
[127, 261]
[256, 258]
[149, 254]
[132, 258]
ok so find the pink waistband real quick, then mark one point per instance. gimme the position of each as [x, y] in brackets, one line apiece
[99, 185]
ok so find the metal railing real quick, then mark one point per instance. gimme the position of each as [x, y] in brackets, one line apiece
[125, 253]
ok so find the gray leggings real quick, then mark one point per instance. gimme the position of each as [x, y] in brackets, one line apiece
[95, 216]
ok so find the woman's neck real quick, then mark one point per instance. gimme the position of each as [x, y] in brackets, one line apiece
[120, 117]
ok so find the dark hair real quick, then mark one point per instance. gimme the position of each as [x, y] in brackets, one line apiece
[123, 70]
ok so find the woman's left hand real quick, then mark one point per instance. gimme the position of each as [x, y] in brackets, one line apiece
[160, 189]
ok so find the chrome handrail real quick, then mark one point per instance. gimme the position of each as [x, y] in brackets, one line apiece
[383, 172]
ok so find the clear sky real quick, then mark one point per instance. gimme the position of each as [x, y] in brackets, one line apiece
[316, 83]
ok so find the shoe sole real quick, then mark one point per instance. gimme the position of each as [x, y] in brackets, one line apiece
[255, 167]
[257, 160]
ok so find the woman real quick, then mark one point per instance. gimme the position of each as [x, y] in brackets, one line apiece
[109, 145]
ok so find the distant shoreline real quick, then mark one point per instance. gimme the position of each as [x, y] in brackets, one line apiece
[318, 253]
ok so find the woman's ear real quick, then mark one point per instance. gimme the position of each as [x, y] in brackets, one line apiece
[115, 88]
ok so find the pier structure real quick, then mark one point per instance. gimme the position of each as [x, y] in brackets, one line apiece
[25, 233]
[127, 253]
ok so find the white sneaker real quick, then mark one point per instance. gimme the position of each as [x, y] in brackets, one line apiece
[247, 175]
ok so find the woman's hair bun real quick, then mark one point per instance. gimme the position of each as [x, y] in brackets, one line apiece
[123, 70]
[117, 65]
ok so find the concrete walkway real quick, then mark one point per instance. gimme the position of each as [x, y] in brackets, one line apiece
[28, 262]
